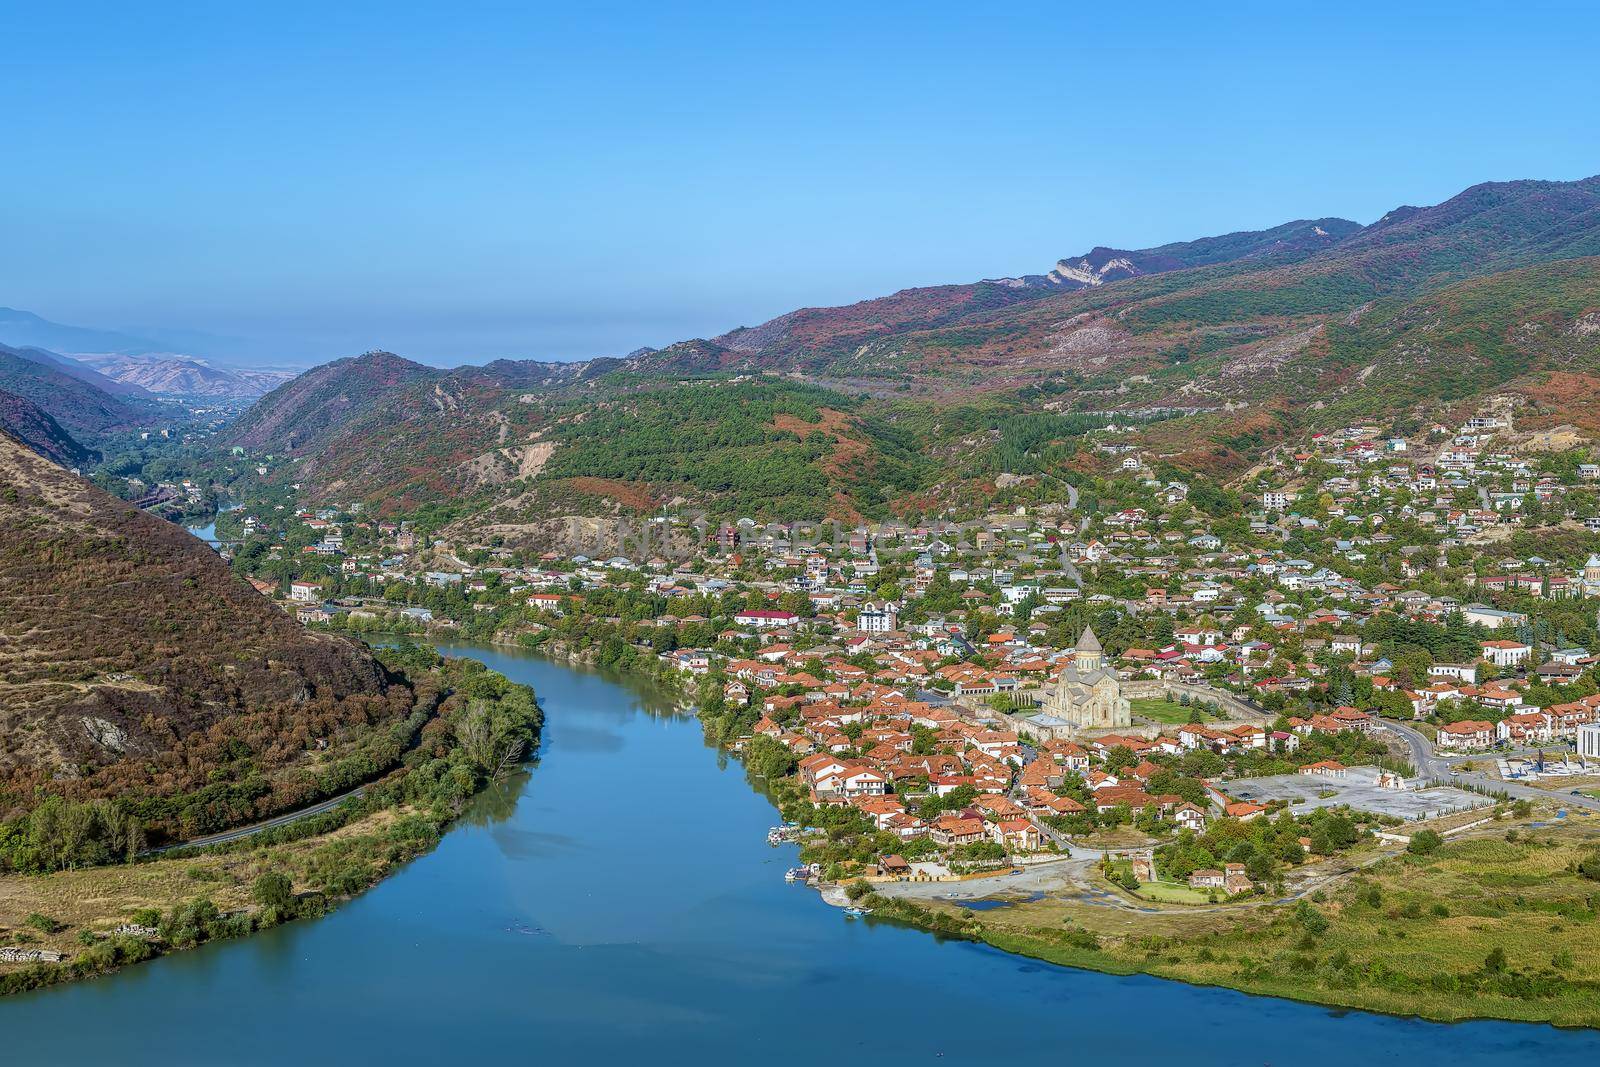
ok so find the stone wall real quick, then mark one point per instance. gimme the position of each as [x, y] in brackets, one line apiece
[1236, 708]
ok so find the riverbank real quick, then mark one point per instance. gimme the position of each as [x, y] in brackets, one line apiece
[556, 908]
[1498, 924]
[1485, 928]
[1400, 956]
[80, 923]
[104, 918]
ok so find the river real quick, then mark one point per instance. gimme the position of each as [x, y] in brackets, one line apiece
[208, 532]
[618, 903]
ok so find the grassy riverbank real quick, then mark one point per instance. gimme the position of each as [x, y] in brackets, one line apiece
[1483, 928]
[181, 899]
[1503, 923]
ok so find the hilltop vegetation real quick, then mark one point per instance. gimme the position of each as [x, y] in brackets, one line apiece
[33, 426]
[134, 664]
[303, 413]
[1215, 349]
[752, 448]
[78, 405]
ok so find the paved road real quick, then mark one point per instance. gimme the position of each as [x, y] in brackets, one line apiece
[1430, 765]
[256, 828]
[1068, 569]
[1073, 880]
[1037, 878]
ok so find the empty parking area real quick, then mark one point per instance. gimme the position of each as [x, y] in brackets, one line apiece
[1358, 789]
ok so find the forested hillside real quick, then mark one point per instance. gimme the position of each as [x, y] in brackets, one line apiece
[78, 405]
[134, 664]
[1211, 349]
[33, 426]
[301, 414]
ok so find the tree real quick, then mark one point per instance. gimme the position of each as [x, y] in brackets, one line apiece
[1424, 842]
[273, 890]
[1120, 757]
[483, 738]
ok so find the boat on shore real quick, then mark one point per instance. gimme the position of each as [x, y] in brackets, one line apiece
[806, 875]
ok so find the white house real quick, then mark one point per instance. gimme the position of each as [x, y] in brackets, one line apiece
[1506, 653]
[1491, 618]
[1463, 672]
[877, 618]
[1589, 740]
[766, 618]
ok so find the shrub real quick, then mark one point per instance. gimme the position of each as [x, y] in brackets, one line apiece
[273, 890]
[1589, 866]
[1311, 920]
[1424, 842]
[42, 923]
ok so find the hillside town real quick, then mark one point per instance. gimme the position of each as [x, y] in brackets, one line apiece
[1360, 632]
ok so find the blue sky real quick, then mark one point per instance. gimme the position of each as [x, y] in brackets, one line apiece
[458, 182]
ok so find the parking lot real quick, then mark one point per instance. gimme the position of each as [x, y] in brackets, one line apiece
[1358, 789]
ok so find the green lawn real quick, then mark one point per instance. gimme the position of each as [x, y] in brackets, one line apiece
[1173, 893]
[1160, 710]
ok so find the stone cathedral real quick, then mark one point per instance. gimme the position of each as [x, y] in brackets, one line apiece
[1088, 693]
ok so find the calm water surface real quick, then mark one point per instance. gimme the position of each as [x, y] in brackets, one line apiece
[619, 904]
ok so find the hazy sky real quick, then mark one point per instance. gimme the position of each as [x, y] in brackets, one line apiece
[462, 181]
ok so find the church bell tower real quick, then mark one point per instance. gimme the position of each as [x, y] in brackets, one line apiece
[1087, 656]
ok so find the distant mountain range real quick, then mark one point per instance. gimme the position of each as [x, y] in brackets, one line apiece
[185, 376]
[148, 367]
[24, 329]
[1235, 342]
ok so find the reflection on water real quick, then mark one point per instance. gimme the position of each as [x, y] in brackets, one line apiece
[615, 901]
[497, 802]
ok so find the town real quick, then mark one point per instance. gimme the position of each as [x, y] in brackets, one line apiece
[1356, 645]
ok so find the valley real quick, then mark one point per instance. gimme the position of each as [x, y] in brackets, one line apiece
[1261, 567]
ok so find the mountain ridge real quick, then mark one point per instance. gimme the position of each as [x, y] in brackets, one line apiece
[72, 399]
[32, 426]
[1258, 320]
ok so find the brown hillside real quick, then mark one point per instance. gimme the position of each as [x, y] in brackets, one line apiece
[134, 663]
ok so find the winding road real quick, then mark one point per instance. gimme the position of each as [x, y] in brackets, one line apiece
[255, 828]
[1431, 765]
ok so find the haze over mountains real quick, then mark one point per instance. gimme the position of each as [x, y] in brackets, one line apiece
[123, 364]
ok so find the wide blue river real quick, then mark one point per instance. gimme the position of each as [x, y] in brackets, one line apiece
[618, 904]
